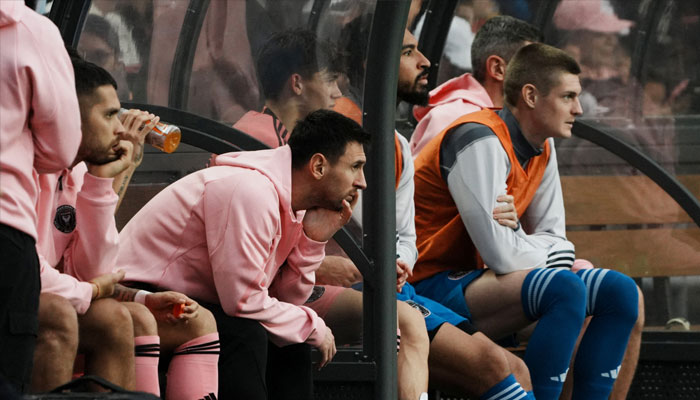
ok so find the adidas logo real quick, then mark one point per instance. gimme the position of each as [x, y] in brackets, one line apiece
[612, 374]
[560, 377]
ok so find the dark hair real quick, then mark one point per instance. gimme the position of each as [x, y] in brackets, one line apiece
[73, 53]
[89, 76]
[501, 36]
[326, 132]
[100, 27]
[537, 64]
[354, 40]
[293, 52]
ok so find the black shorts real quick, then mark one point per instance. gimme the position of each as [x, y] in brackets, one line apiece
[19, 305]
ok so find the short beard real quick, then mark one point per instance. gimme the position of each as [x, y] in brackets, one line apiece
[416, 97]
[100, 159]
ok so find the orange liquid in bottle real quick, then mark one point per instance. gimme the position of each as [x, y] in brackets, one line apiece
[164, 137]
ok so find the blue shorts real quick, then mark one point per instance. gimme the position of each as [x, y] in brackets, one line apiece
[435, 314]
[447, 288]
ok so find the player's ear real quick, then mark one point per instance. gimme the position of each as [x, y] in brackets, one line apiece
[529, 94]
[496, 68]
[296, 83]
[318, 166]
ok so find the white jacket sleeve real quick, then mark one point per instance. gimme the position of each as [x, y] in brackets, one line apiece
[545, 218]
[405, 209]
[476, 180]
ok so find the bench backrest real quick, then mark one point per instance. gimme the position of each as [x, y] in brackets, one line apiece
[629, 224]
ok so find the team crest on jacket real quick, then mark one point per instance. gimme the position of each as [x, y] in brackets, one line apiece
[64, 220]
[316, 294]
[457, 275]
[418, 307]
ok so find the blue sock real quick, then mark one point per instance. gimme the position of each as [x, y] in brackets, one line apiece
[613, 304]
[556, 298]
[508, 389]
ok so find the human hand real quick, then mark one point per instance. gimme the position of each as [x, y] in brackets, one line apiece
[161, 306]
[320, 224]
[103, 285]
[212, 160]
[124, 152]
[338, 271]
[580, 264]
[506, 214]
[326, 348]
[137, 124]
[403, 272]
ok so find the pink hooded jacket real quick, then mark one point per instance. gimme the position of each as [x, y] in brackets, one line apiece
[39, 114]
[264, 126]
[227, 234]
[449, 101]
[76, 233]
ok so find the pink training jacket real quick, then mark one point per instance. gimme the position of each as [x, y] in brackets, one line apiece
[264, 126]
[228, 235]
[449, 101]
[39, 114]
[76, 233]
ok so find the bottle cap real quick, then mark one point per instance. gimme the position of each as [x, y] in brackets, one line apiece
[178, 309]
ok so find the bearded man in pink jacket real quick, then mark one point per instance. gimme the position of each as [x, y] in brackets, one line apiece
[39, 131]
[245, 238]
[82, 308]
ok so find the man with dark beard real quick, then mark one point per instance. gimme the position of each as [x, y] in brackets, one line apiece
[457, 350]
[77, 245]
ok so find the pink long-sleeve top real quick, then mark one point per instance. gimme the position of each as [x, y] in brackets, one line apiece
[39, 114]
[458, 96]
[77, 234]
[228, 235]
[264, 126]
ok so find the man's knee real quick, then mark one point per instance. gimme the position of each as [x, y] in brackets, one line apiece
[639, 325]
[412, 326]
[491, 359]
[58, 323]
[545, 289]
[612, 292]
[518, 368]
[411, 322]
[204, 324]
[107, 321]
[143, 320]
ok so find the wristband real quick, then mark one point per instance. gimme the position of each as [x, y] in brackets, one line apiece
[141, 296]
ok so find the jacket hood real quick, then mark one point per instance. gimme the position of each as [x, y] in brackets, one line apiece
[11, 11]
[275, 164]
[462, 88]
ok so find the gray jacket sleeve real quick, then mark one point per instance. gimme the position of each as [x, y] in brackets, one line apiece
[476, 178]
[545, 218]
